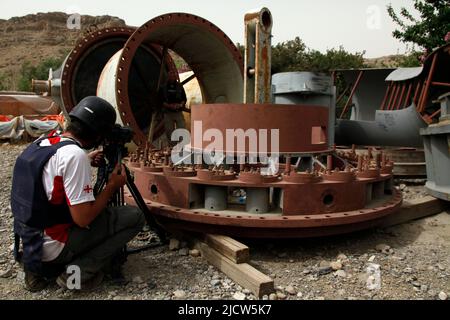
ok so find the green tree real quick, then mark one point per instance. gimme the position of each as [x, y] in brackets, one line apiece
[40, 72]
[411, 59]
[288, 56]
[333, 59]
[428, 31]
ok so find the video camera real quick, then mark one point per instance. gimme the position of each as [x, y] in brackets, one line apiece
[114, 144]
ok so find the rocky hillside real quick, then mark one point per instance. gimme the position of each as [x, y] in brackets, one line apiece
[36, 37]
[391, 61]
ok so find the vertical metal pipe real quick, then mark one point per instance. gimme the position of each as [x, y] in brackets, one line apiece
[258, 200]
[360, 163]
[378, 160]
[383, 159]
[329, 163]
[287, 170]
[215, 198]
[258, 53]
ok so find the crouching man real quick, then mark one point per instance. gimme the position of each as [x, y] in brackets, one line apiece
[63, 227]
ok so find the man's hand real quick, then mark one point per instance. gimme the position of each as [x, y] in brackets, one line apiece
[97, 158]
[118, 177]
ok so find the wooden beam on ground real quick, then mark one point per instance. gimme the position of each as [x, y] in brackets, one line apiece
[243, 274]
[228, 247]
[415, 209]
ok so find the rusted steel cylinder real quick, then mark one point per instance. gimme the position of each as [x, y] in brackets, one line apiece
[212, 56]
[41, 86]
[329, 162]
[276, 119]
[28, 105]
[215, 198]
[257, 200]
[287, 170]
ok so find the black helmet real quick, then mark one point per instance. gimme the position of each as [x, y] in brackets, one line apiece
[96, 114]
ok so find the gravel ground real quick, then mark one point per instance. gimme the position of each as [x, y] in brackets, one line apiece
[411, 261]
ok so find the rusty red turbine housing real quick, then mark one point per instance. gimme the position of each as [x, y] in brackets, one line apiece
[299, 203]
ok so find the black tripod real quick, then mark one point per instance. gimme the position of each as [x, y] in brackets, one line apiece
[114, 149]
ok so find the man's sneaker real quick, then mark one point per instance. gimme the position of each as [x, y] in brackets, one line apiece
[35, 282]
[86, 285]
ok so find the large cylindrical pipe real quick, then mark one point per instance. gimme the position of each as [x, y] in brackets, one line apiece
[212, 56]
[142, 86]
[257, 200]
[81, 69]
[215, 198]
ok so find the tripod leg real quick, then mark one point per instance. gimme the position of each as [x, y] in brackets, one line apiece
[141, 204]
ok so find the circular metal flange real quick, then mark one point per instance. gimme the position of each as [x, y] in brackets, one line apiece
[369, 174]
[215, 60]
[172, 173]
[273, 226]
[152, 169]
[208, 175]
[340, 176]
[84, 47]
[257, 178]
[301, 177]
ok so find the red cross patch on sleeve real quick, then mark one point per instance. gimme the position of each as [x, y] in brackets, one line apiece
[88, 189]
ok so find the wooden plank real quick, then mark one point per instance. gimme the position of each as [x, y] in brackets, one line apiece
[243, 274]
[415, 209]
[230, 248]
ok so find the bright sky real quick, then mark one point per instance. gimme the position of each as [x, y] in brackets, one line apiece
[322, 24]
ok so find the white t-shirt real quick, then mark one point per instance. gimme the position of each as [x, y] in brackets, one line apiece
[66, 178]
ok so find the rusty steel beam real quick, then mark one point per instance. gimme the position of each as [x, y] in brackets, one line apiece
[408, 96]
[441, 84]
[426, 92]
[416, 94]
[400, 99]
[388, 90]
[352, 94]
[342, 95]
[394, 89]
[397, 91]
